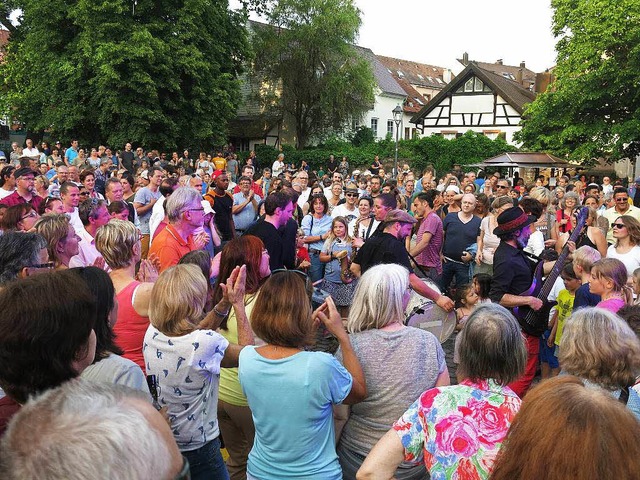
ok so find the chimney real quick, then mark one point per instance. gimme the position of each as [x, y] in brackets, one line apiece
[519, 75]
[465, 59]
[446, 75]
[499, 61]
[522, 65]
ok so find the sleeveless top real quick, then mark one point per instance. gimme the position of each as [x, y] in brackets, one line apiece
[584, 239]
[130, 326]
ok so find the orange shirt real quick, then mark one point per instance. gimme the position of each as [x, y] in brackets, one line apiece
[169, 246]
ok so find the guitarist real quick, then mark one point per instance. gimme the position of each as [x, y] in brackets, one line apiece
[512, 274]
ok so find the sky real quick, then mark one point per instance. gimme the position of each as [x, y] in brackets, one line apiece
[439, 32]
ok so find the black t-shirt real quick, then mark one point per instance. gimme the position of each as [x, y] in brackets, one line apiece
[512, 272]
[222, 206]
[332, 166]
[273, 242]
[127, 160]
[459, 236]
[380, 248]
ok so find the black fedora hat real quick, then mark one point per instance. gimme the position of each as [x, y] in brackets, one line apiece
[512, 220]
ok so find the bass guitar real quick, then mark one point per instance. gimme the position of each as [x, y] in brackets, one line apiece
[534, 322]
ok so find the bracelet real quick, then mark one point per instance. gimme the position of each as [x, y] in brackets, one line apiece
[219, 313]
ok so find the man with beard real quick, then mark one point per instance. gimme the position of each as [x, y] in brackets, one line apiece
[25, 189]
[387, 246]
[512, 275]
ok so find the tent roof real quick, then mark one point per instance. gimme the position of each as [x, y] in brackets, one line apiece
[524, 159]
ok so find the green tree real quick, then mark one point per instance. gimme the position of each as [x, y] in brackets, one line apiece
[161, 73]
[307, 50]
[592, 109]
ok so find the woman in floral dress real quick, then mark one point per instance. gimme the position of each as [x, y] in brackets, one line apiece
[458, 430]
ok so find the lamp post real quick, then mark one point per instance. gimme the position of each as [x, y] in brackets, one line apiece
[397, 118]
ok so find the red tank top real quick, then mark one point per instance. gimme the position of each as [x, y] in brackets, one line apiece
[130, 327]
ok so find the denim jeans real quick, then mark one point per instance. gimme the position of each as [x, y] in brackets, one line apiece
[316, 270]
[452, 269]
[206, 462]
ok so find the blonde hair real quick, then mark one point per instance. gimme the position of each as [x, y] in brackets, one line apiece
[378, 299]
[585, 257]
[54, 227]
[599, 346]
[332, 237]
[177, 300]
[636, 280]
[614, 270]
[115, 242]
[542, 194]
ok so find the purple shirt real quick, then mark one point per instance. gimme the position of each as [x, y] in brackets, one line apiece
[430, 256]
[611, 304]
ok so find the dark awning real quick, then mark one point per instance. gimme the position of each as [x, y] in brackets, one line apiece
[525, 160]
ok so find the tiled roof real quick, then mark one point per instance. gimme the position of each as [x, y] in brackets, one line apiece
[385, 80]
[507, 71]
[414, 101]
[415, 73]
[511, 91]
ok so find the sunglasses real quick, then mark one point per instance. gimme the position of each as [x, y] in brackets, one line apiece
[299, 272]
[502, 186]
[622, 199]
[618, 225]
[351, 194]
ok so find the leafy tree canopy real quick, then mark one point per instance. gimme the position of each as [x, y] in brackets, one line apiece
[161, 73]
[307, 50]
[592, 110]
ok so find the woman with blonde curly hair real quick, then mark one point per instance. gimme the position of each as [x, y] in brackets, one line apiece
[600, 348]
[61, 237]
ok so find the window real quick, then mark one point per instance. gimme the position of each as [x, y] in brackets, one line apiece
[374, 127]
[354, 125]
[407, 133]
[474, 84]
[390, 127]
[468, 85]
[400, 74]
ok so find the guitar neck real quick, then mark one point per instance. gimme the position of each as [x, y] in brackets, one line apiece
[557, 267]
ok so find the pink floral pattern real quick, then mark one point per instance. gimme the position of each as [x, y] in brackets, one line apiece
[458, 430]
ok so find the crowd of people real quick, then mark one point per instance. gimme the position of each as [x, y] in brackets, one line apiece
[167, 316]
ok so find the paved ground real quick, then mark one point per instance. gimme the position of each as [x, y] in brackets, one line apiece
[448, 352]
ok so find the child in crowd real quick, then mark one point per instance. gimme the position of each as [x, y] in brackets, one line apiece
[340, 286]
[636, 286]
[583, 260]
[609, 280]
[466, 301]
[482, 286]
[549, 365]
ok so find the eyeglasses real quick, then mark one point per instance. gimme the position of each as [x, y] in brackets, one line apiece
[84, 194]
[618, 225]
[502, 186]
[48, 265]
[351, 194]
[194, 210]
[622, 199]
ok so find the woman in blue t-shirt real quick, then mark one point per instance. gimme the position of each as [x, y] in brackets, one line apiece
[291, 391]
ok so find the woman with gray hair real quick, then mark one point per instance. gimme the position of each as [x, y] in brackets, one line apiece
[600, 348]
[412, 361]
[487, 241]
[565, 221]
[456, 431]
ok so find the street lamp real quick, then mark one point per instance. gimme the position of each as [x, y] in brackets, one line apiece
[397, 118]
